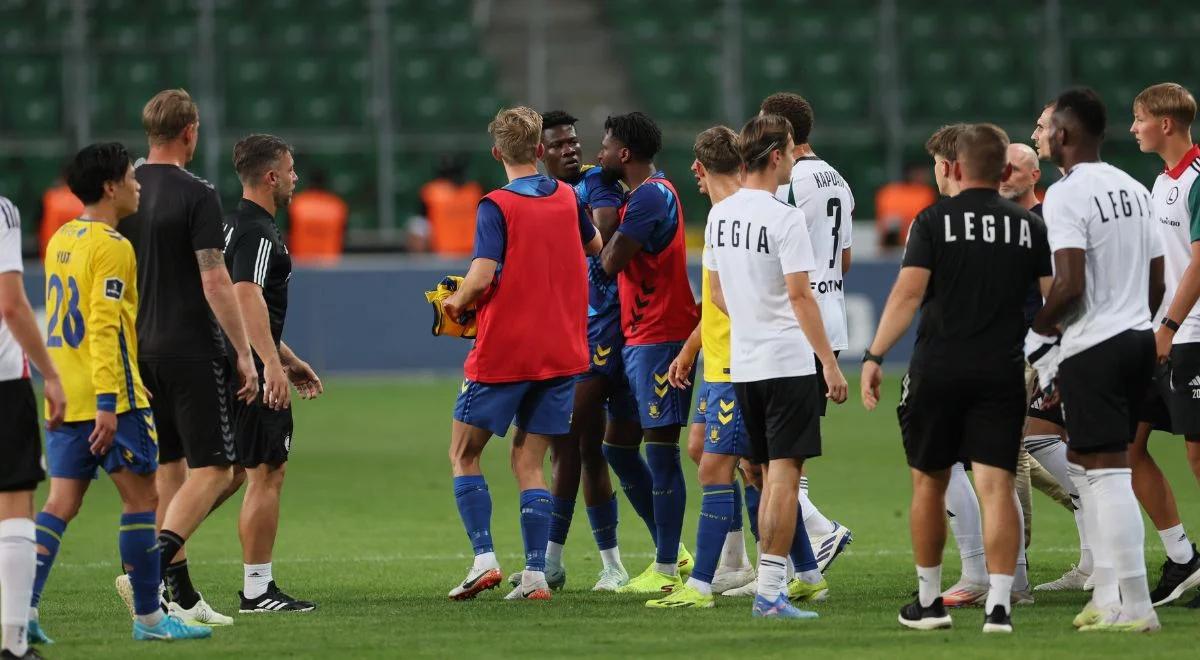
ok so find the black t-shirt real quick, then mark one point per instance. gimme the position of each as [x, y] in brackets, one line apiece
[983, 252]
[256, 253]
[1033, 300]
[179, 214]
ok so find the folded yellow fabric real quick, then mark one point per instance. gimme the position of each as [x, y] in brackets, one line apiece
[443, 323]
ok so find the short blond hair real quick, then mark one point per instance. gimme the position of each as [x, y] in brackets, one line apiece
[517, 133]
[1170, 100]
[168, 114]
[944, 141]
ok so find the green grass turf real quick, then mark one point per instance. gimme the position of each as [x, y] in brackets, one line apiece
[370, 531]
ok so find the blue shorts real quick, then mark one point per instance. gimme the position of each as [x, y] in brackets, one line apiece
[134, 448]
[700, 414]
[605, 341]
[659, 404]
[539, 406]
[724, 429]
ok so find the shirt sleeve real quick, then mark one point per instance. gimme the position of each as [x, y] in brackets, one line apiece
[587, 230]
[10, 238]
[1153, 235]
[795, 247]
[604, 195]
[206, 222]
[249, 257]
[490, 232]
[1066, 223]
[848, 223]
[709, 256]
[918, 251]
[647, 219]
[1194, 210]
[110, 281]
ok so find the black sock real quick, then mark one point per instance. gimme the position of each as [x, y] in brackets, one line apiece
[179, 584]
[169, 544]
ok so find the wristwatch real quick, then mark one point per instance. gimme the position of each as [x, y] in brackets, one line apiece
[1170, 324]
[868, 356]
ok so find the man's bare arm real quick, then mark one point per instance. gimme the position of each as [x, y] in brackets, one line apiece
[218, 291]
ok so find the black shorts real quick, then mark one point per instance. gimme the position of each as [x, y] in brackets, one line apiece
[822, 386]
[1103, 390]
[192, 402]
[781, 417]
[1037, 410]
[1172, 402]
[264, 436]
[947, 418]
[20, 442]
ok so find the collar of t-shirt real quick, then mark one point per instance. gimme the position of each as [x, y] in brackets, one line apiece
[1181, 167]
[249, 209]
[978, 193]
[534, 185]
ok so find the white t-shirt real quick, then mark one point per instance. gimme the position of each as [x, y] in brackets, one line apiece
[1177, 203]
[752, 241]
[1104, 211]
[828, 205]
[12, 358]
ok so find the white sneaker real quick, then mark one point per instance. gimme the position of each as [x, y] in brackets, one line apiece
[827, 547]
[537, 591]
[612, 578]
[477, 581]
[732, 578]
[965, 593]
[1089, 584]
[750, 589]
[201, 614]
[1072, 580]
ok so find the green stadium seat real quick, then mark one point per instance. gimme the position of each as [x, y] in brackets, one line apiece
[35, 115]
[28, 74]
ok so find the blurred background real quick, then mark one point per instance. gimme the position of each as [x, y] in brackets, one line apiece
[387, 101]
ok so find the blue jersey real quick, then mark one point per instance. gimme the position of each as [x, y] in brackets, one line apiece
[594, 193]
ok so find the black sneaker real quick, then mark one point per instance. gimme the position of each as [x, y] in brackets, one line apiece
[274, 601]
[999, 621]
[1176, 579]
[30, 654]
[925, 618]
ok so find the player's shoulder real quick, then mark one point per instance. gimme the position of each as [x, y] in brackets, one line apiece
[171, 175]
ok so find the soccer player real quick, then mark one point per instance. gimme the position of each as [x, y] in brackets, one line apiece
[528, 288]
[261, 268]
[828, 204]
[1162, 121]
[92, 302]
[968, 264]
[717, 167]
[759, 259]
[20, 444]
[1108, 277]
[602, 386]
[184, 286]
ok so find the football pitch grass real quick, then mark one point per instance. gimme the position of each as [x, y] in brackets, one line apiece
[370, 531]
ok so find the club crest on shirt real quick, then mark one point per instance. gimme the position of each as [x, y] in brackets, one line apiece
[114, 288]
[1173, 195]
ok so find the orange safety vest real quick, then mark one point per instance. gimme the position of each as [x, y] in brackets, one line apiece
[317, 225]
[59, 206]
[900, 202]
[451, 211]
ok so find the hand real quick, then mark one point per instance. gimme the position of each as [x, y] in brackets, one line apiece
[453, 306]
[1162, 343]
[872, 378]
[275, 391]
[680, 371]
[57, 398]
[102, 437]
[304, 379]
[249, 376]
[835, 381]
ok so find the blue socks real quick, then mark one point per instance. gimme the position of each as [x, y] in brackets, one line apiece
[753, 495]
[716, 516]
[560, 519]
[636, 480]
[604, 523]
[140, 554]
[49, 531]
[475, 508]
[536, 510]
[802, 554]
[669, 499]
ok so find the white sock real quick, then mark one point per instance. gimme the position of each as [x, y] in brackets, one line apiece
[1106, 593]
[1051, 452]
[771, 576]
[667, 569]
[256, 577]
[789, 571]
[929, 584]
[999, 592]
[483, 561]
[815, 523]
[1020, 579]
[152, 619]
[611, 557]
[18, 566]
[1085, 548]
[1176, 543]
[965, 522]
[1120, 522]
[733, 553]
[530, 579]
[554, 553]
[703, 587]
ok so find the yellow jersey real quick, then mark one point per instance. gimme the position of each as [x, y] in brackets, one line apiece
[91, 314]
[714, 335]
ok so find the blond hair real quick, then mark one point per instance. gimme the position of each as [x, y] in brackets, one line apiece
[167, 114]
[1169, 100]
[517, 133]
[944, 141]
[717, 150]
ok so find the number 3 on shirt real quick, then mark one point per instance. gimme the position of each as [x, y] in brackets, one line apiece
[72, 319]
[834, 211]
